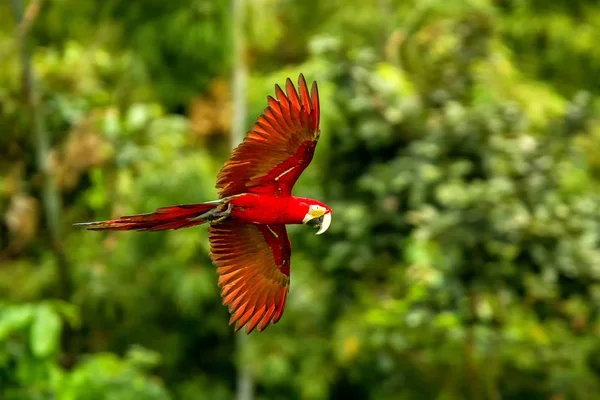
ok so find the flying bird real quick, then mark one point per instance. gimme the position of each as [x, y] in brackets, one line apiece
[248, 239]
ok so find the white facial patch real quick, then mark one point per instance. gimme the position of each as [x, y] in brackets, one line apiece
[314, 211]
[318, 212]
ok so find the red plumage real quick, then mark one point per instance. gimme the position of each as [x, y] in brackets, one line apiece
[249, 242]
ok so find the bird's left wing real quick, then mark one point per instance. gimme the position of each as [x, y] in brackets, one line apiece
[279, 147]
[253, 263]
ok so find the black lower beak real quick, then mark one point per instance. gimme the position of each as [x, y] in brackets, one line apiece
[315, 222]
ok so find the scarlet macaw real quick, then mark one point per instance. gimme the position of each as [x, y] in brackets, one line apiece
[248, 239]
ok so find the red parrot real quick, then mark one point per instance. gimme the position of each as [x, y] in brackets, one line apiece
[248, 239]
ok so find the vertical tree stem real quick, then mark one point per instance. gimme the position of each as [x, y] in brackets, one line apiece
[50, 196]
[472, 377]
[240, 74]
[245, 381]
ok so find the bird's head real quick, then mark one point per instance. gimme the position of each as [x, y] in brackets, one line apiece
[319, 216]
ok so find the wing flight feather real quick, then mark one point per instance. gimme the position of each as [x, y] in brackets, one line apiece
[279, 146]
[253, 263]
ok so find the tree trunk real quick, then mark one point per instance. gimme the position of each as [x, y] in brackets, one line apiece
[245, 381]
[51, 199]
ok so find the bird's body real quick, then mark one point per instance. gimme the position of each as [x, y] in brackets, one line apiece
[249, 242]
[268, 209]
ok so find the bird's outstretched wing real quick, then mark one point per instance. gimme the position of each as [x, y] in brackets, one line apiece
[279, 147]
[253, 263]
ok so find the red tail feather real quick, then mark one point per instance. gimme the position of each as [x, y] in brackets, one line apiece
[172, 217]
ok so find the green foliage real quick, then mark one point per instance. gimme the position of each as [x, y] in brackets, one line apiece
[106, 376]
[496, 244]
[460, 152]
[29, 365]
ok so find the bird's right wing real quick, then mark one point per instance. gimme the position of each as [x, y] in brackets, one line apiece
[253, 263]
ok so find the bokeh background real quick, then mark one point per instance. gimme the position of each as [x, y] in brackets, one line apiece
[460, 151]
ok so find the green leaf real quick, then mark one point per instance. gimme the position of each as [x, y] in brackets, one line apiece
[13, 318]
[45, 332]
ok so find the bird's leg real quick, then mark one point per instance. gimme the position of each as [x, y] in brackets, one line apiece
[221, 215]
[216, 215]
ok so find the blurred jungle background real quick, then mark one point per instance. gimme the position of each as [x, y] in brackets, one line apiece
[460, 152]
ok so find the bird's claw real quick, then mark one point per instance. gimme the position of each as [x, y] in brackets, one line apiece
[216, 215]
[219, 216]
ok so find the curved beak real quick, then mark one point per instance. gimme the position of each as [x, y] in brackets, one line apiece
[321, 222]
[326, 221]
